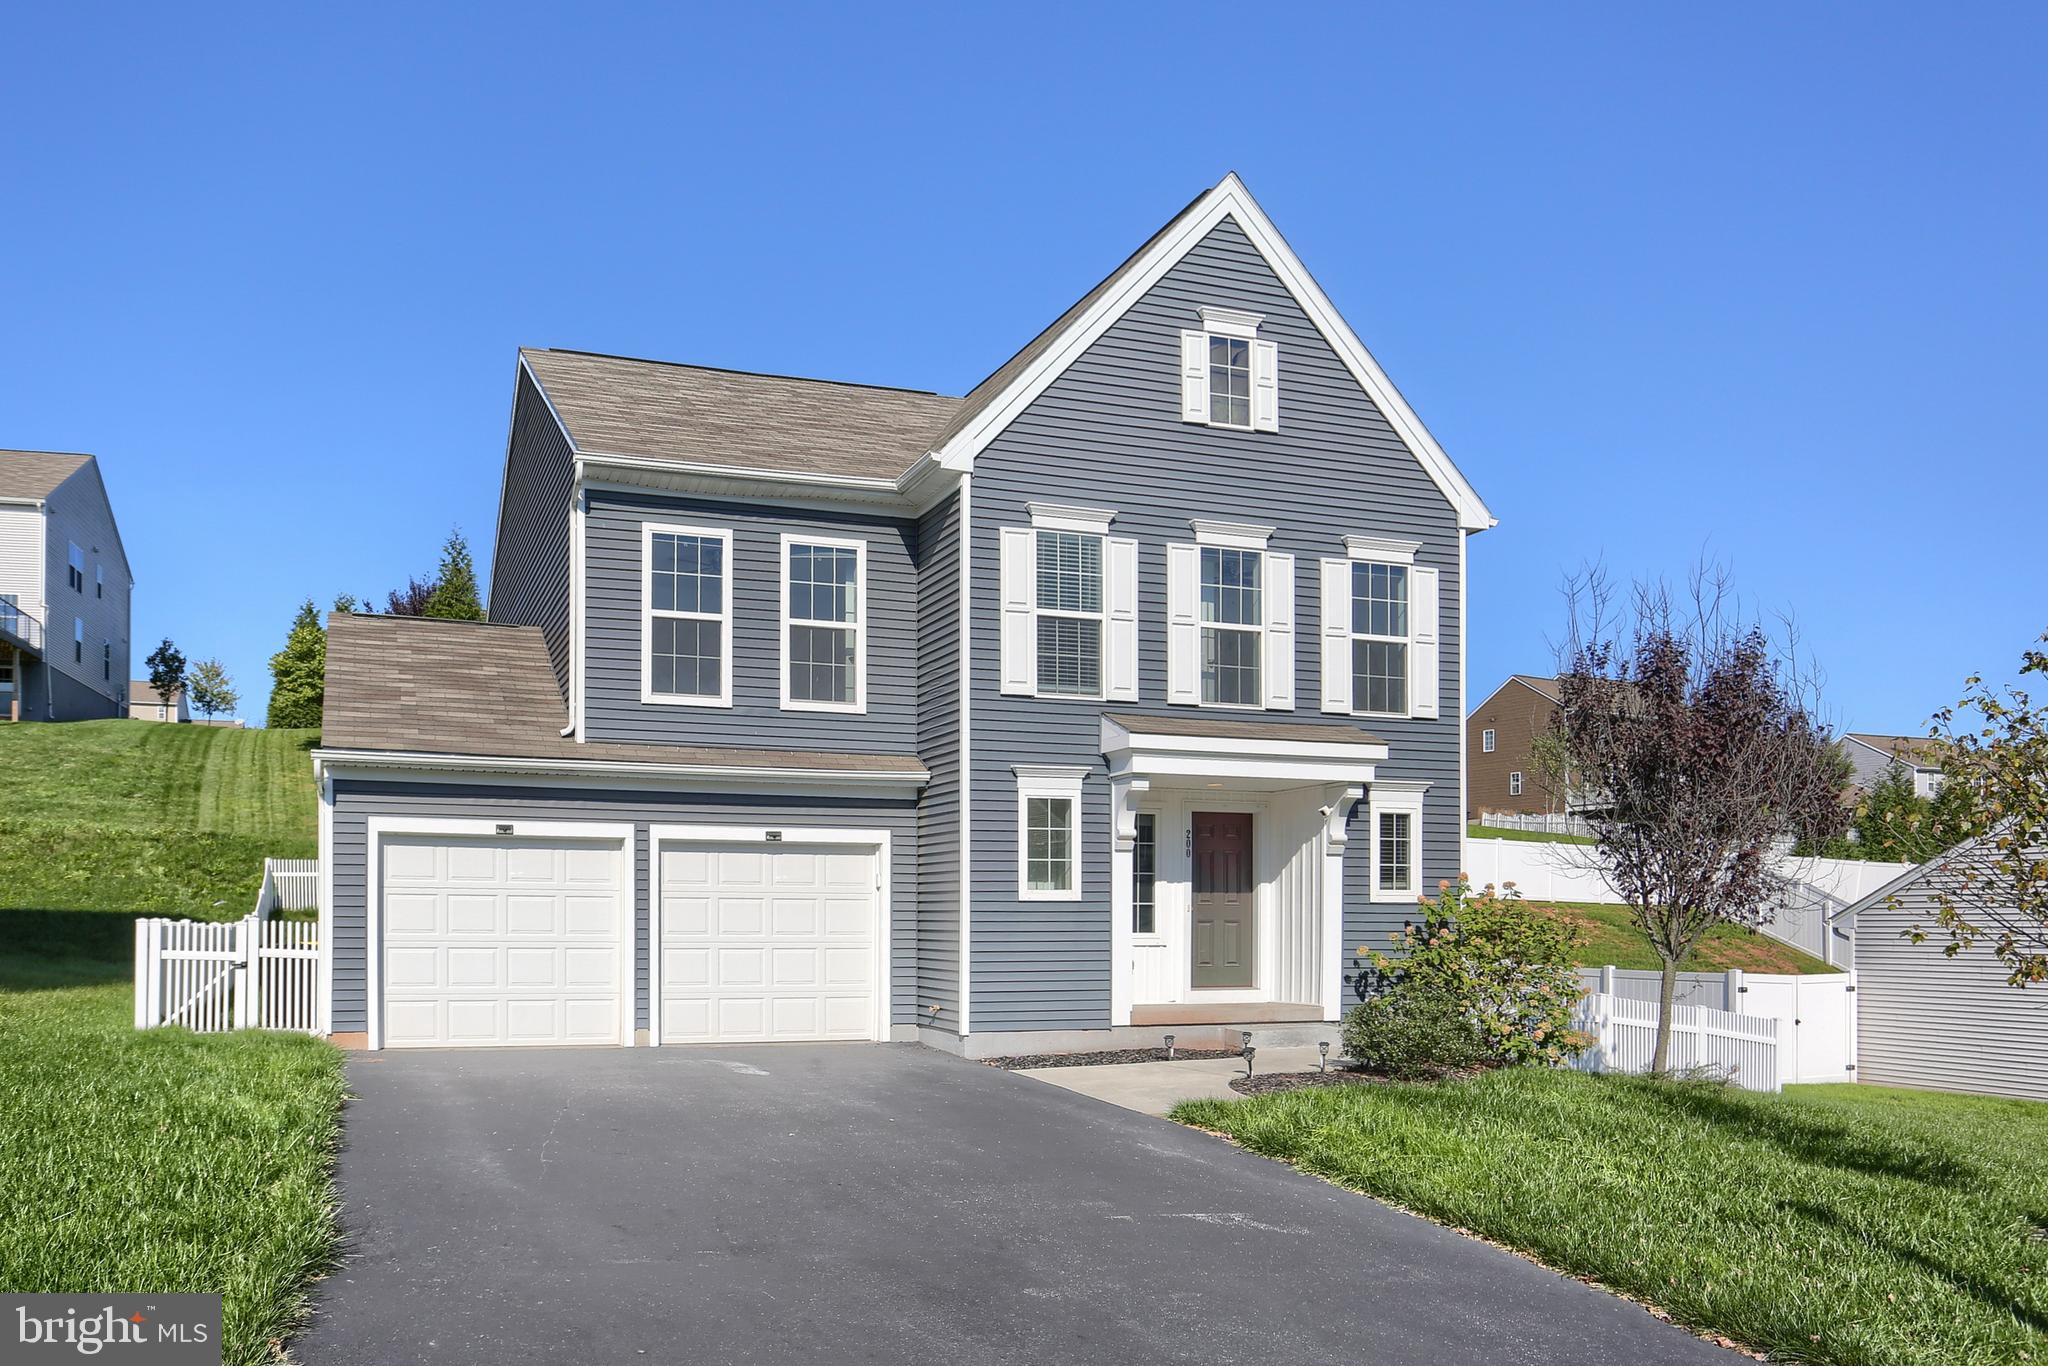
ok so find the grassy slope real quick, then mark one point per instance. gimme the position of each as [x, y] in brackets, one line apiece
[1488, 832]
[1606, 937]
[160, 1160]
[151, 819]
[1835, 1224]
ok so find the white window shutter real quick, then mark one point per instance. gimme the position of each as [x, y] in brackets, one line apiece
[1279, 661]
[1183, 631]
[1265, 386]
[1423, 653]
[1020, 596]
[1337, 636]
[1194, 377]
[1120, 601]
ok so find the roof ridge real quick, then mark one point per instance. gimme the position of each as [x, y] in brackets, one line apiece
[415, 616]
[729, 370]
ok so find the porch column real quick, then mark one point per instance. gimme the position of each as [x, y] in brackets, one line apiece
[1123, 839]
[1336, 835]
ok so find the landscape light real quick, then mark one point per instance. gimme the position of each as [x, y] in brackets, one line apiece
[1323, 1048]
[1249, 1052]
[1169, 1048]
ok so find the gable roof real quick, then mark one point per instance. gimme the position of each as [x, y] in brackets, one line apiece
[141, 692]
[731, 419]
[1917, 751]
[997, 400]
[696, 417]
[1543, 687]
[423, 686]
[36, 474]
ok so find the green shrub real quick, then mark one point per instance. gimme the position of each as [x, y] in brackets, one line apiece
[1412, 1035]
[1496, 962]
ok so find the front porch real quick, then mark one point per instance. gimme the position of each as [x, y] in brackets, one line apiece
[1228, 843]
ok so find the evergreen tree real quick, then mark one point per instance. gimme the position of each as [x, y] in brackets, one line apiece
[455, 595]
[298, 672]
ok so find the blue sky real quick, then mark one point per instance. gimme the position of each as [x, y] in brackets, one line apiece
[1762, 283]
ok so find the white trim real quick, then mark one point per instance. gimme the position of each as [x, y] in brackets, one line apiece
[1516, 783]
[1336, 833]
[579, 509]
[1063, 517]
[325, 929]
[1231, 322]
[788, 835]
[963, 988]
[1487, 738]
[1382, 549]
[1235, 535]
[1055, 782]
[1124, 793]
[1137, 754]
[859, 624]
[1396, 797]
[607, 773]
[1464, 731]
[1100, 616]
[727, 584]
[378, 828]
[1406, 642]
[1229, 199]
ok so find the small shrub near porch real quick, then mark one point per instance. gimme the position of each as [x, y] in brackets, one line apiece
[1484, 979]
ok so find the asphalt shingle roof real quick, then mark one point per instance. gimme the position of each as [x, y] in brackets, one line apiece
[417, 685]
[1218, 728]
[36, 474]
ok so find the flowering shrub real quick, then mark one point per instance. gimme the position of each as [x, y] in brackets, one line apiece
[1412, 1036]
[1501, 964]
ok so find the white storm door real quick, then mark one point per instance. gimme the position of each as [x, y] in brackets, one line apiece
[769, 943]
[494, 941]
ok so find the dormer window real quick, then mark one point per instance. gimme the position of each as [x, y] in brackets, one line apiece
[1230, 377]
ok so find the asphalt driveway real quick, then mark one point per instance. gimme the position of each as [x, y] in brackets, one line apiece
[880, 1203]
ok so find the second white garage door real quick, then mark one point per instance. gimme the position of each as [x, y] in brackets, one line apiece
[769, 944]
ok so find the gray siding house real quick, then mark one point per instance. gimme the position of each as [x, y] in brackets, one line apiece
[1122, 695]
[65, 591]
[1926, 1019]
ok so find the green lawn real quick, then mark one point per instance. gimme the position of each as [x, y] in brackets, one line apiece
[1488, 832]
[1837, 1224]
[1606, 937]
[149, 819]
[160, 1160]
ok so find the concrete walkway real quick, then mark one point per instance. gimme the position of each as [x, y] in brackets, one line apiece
[1153, 1088]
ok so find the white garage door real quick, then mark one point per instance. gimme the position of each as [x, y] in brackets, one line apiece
[501, 941]
[762, 945]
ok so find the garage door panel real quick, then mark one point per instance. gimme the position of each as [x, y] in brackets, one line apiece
[492, 941]
[763, 945]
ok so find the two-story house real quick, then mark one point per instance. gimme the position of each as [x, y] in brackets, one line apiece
[1122, 695]
[65, 589]
[1872, 756]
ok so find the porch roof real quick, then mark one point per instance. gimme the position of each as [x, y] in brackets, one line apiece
[1253, 753]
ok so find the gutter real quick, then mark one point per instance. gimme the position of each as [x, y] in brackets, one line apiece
[326, 759]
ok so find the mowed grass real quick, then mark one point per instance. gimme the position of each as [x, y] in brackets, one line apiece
[1605, 937]
[1491, 832]
[158, 1160]
[150, 819]
[144, 775]
[1836, 1224]
[162, 1160]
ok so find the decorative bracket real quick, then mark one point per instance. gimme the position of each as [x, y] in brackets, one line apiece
[1123, 810]
[1337, 818]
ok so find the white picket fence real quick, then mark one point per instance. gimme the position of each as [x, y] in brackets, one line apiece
[1816, 1012]
[212, 977]
[289, 884]
[1744, 1048]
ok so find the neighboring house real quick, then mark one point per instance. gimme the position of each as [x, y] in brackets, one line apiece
[65, 588]
[1927, 1019]
[146, 704]
[1871, 755]
[1123, 693]
[1500, 744]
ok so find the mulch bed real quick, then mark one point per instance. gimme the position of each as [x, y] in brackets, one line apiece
[1260, 1084]
[1119, 1055]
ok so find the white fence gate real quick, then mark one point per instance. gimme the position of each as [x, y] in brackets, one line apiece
[1743, 1047]
[1816, 1013]
[213, 977]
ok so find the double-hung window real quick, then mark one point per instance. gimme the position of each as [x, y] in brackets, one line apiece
[78, 640]
[1486, 738]
[1049, 832]
[1069, 613]
[1230, 382]
[1379, 638]
[686, 574]
[825, 624]
[74, 573]
[1233, 626]
[107, 659]
[1395, 811]
[99, 581]
[1230, 376]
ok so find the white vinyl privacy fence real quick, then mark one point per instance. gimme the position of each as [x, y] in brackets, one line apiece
[1815, 1014]
[1743, 1048]
[212, 977]
[289, 884]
